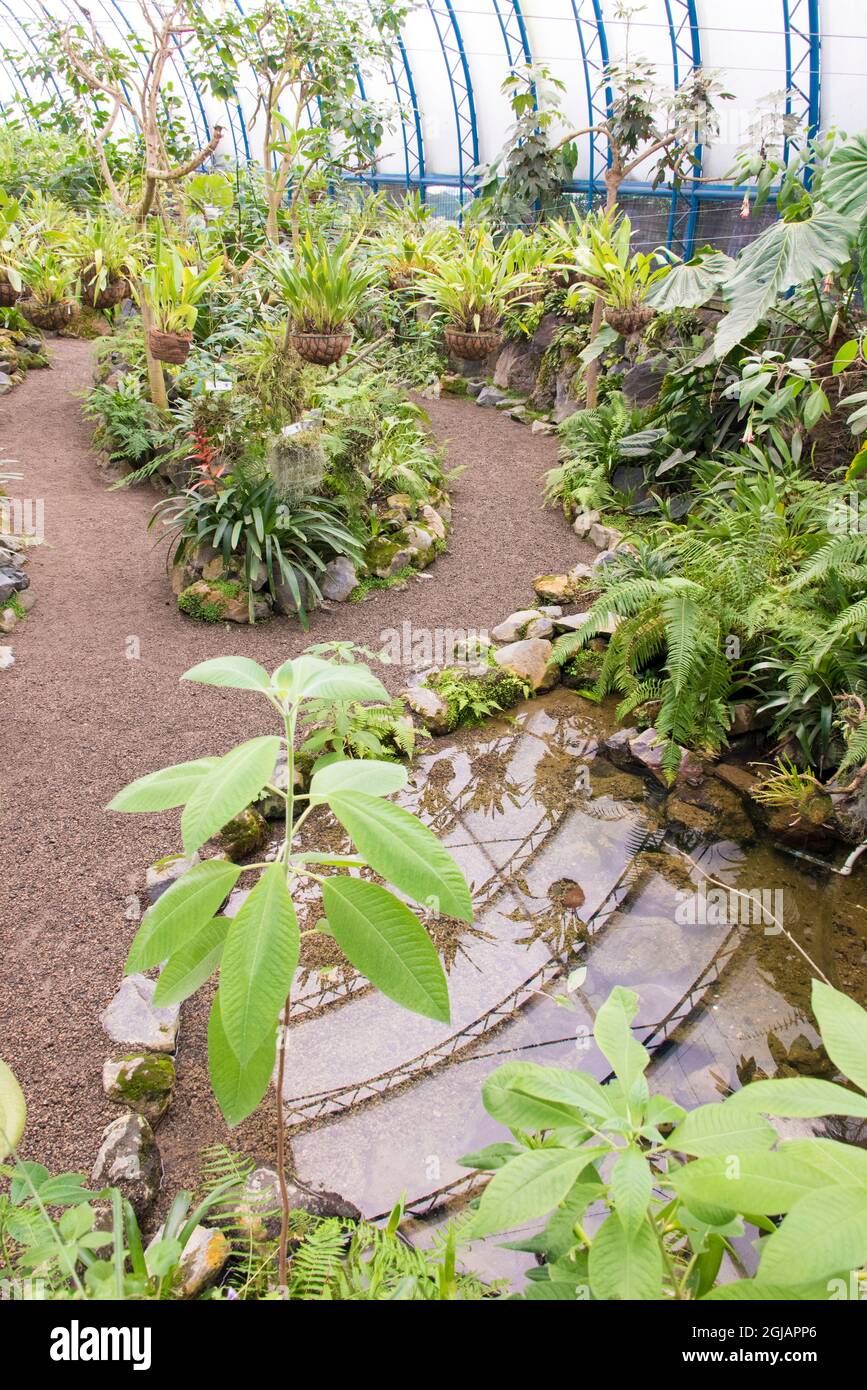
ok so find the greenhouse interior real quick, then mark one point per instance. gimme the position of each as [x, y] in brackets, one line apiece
[433, 597]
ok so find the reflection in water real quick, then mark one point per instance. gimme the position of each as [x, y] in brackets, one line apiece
[570, 860]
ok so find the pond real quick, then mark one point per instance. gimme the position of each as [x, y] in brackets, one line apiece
[575, 866]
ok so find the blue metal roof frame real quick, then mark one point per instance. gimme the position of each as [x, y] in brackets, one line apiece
[461, 88]
[802, 26]
[593, 43]
[685, 39]
[400, 74]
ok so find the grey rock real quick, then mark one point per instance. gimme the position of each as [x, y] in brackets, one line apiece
[489, 395]
[6, 658]
[630, 480]
[431, 709]
[339, 579]
[642, 384]
[7, 557]
[204, 1258]
[402, 557]
[132, 1019]
[259, 1206]
[419, 537]
[605, 557]
[165, 872]
[543, 427]
[515, 626]
[6, 383]
[8, 619]
[583, 522]
[531, 660]
[433, 521]
[129, 1159]
[141, 1081]
[475, 388]
[269, 804]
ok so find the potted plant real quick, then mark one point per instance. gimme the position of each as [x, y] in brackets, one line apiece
[322, 288]
[11, 283]
[471, 288]
[103, 247]
[621, 281]
[49, 300]
[172, 287]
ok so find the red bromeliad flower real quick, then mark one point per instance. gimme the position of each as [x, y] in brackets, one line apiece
[207, 467]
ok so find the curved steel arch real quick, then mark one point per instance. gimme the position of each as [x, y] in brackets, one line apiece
[402, 82]
[461, 88]
[14, 66]
[593, 43]
[685, 39]
[510, 18]
[803, 43]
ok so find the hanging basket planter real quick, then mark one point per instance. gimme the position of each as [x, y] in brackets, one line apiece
[8, 294]
[173, 348]
[473, 347]
[49, 317]
[115, 291]
[629, 321]
[321, 348]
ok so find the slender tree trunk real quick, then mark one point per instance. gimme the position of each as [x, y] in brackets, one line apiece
[282, 1251]
[613, 180]
[156, 375]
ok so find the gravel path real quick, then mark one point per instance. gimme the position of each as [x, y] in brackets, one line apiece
[80, 718]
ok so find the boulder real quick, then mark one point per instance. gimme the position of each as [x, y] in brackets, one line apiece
[269, 804]
[129, 1159]
[6, 658]
[140, 1081]
[165, 872]
[8, 619]
[431, 709]
[603, 537]
[642, 384]
[205, 1255]
[387, 558]
[259, 1207]
[531, 660]
[132, 1019]
[418, 537]
[243, 835]
[584, 521]
[433, 522]
[489, 395]
[516, 625]
[545, 427]
[339, 579]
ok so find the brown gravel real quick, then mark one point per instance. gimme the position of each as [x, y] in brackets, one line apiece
[80, 719]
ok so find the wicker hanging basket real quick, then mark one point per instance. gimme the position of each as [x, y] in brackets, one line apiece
[49, 317]
[628, 321]
[472, 347]
[170, 347]
[8, 294]
[114, 292]
[321, 348]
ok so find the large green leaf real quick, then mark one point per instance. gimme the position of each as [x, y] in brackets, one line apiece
[843, 1025]
[824, 1233]
[404, 852]
[238, 1088]
[387, 943]
[238, 672]
[754, 1290]
[766, 1183]
[524, 1095]
[13, 1110]
[369, 775]
[721, 1128]
[624, 1265]
[613, 1033]
[259, 960]
[179, 912]
[195, 962]
[786, 255]
[529, 1187]
[311, 678]
[843, 1164]
[163, 790]
[512, 1096]
[801, 1096]
[844, 181]
[631, 1187]
[693, 283]
[228, 789]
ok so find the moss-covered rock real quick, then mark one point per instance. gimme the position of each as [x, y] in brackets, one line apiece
[386, 558]
[221, 601]
[140, 1081]
[244, 835]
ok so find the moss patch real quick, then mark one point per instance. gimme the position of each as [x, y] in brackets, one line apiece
[471, 698]
[210, 609]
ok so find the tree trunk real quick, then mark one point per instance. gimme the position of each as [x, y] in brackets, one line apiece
[156, 375]
[613, 180]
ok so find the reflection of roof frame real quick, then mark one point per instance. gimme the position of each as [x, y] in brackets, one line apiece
[685, 40]
[461, 88]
